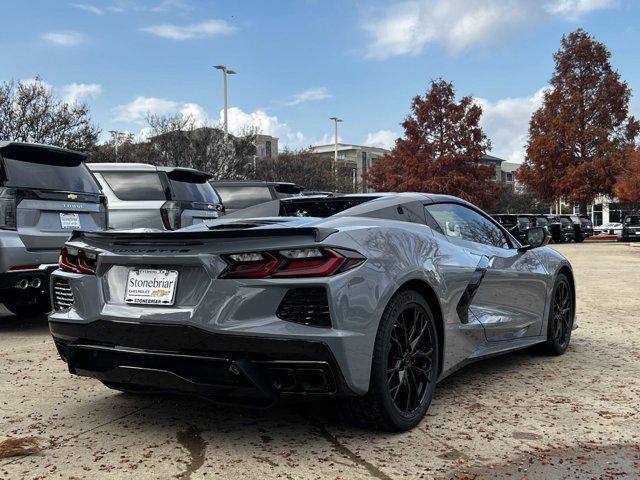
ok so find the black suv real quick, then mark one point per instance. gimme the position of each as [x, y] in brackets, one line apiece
[236, 195]
[582, 227]
[561, 229]
[516, 224]
[631, 227]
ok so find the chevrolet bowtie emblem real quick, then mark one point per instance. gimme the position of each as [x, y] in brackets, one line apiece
[72, 196]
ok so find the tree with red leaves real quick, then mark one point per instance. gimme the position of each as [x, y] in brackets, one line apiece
[579, 136]
[441, 150]
[627, 187]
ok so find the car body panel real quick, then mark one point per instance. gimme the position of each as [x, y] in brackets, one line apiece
[389, 231]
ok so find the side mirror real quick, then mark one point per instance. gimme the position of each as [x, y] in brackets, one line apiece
[536, 237]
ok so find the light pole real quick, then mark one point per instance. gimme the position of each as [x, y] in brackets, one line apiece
[225, 71]
[335, 150]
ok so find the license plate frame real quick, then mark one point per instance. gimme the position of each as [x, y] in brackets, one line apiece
[151, 286]
[69, 220]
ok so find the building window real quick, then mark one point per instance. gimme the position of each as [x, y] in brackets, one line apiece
[509, 177]
[268, 148]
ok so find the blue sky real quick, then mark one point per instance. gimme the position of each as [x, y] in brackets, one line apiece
[300, 62]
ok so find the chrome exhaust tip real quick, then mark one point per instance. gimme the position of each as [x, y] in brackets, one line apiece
[36, 283]
[22, 284]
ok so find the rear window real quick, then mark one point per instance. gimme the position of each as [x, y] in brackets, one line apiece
[322, 208]
[585, 221]
[286, 191]
[238, 197]
[632, 220]
[194, 192]
[48, 176]
[136, 185]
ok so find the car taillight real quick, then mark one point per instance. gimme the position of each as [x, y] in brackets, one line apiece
[171, 214]
[8, 208]
[295, 262]
[78, 261]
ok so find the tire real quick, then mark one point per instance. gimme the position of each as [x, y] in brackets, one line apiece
[403, 372]
[579, 239]
[561, 317]
[23, 307]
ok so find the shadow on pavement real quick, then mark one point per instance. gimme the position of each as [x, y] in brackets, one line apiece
[10, 323]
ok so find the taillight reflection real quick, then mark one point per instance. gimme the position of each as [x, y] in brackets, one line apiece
[298, 262]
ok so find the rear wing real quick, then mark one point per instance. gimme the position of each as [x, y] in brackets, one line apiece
[170, 236]
[44, 153]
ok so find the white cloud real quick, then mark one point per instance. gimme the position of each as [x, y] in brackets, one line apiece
[209, 28]
[137, 110]
[240, 121]
[309, 95]
[87, 8]
[381, 139]
[196, 113]
[407, 27]
[64, 38]
[78, 92]
[506, 123]
[166, 5]
[572, 9]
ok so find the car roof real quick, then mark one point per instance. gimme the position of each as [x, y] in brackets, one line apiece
[120, 167]
[25, 147]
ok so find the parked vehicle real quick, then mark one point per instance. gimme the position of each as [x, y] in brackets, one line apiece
[516, 224]
[45, 193]
[610, 228]
[582, 227]
[567, 228]
[146, 196]
[555, 228]
[367, 298]
[236, 195]
[631, 228]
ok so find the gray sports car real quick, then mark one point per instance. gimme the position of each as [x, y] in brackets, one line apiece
[368, 298]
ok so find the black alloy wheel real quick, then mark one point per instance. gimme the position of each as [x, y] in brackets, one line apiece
[561, 316]
[404, 367]
[409, 361]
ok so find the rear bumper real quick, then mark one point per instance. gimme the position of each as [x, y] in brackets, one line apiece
[9, 281]
[186, 359]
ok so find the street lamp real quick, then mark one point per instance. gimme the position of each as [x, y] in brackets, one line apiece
[335, 150]
[225, 71]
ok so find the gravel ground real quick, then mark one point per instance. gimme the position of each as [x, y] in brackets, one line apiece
[520, 416]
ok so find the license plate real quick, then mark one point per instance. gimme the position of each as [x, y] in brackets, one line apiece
[151, 287]
[69, 220]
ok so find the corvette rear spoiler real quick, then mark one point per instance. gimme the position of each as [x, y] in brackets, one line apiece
[169, 236]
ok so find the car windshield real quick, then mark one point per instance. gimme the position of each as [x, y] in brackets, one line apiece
[542, 222]
[47, 176]
[632, 220]
[194, 192]
[565, 221]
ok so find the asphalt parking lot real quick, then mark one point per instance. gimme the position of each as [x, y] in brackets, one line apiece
[520, 416]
